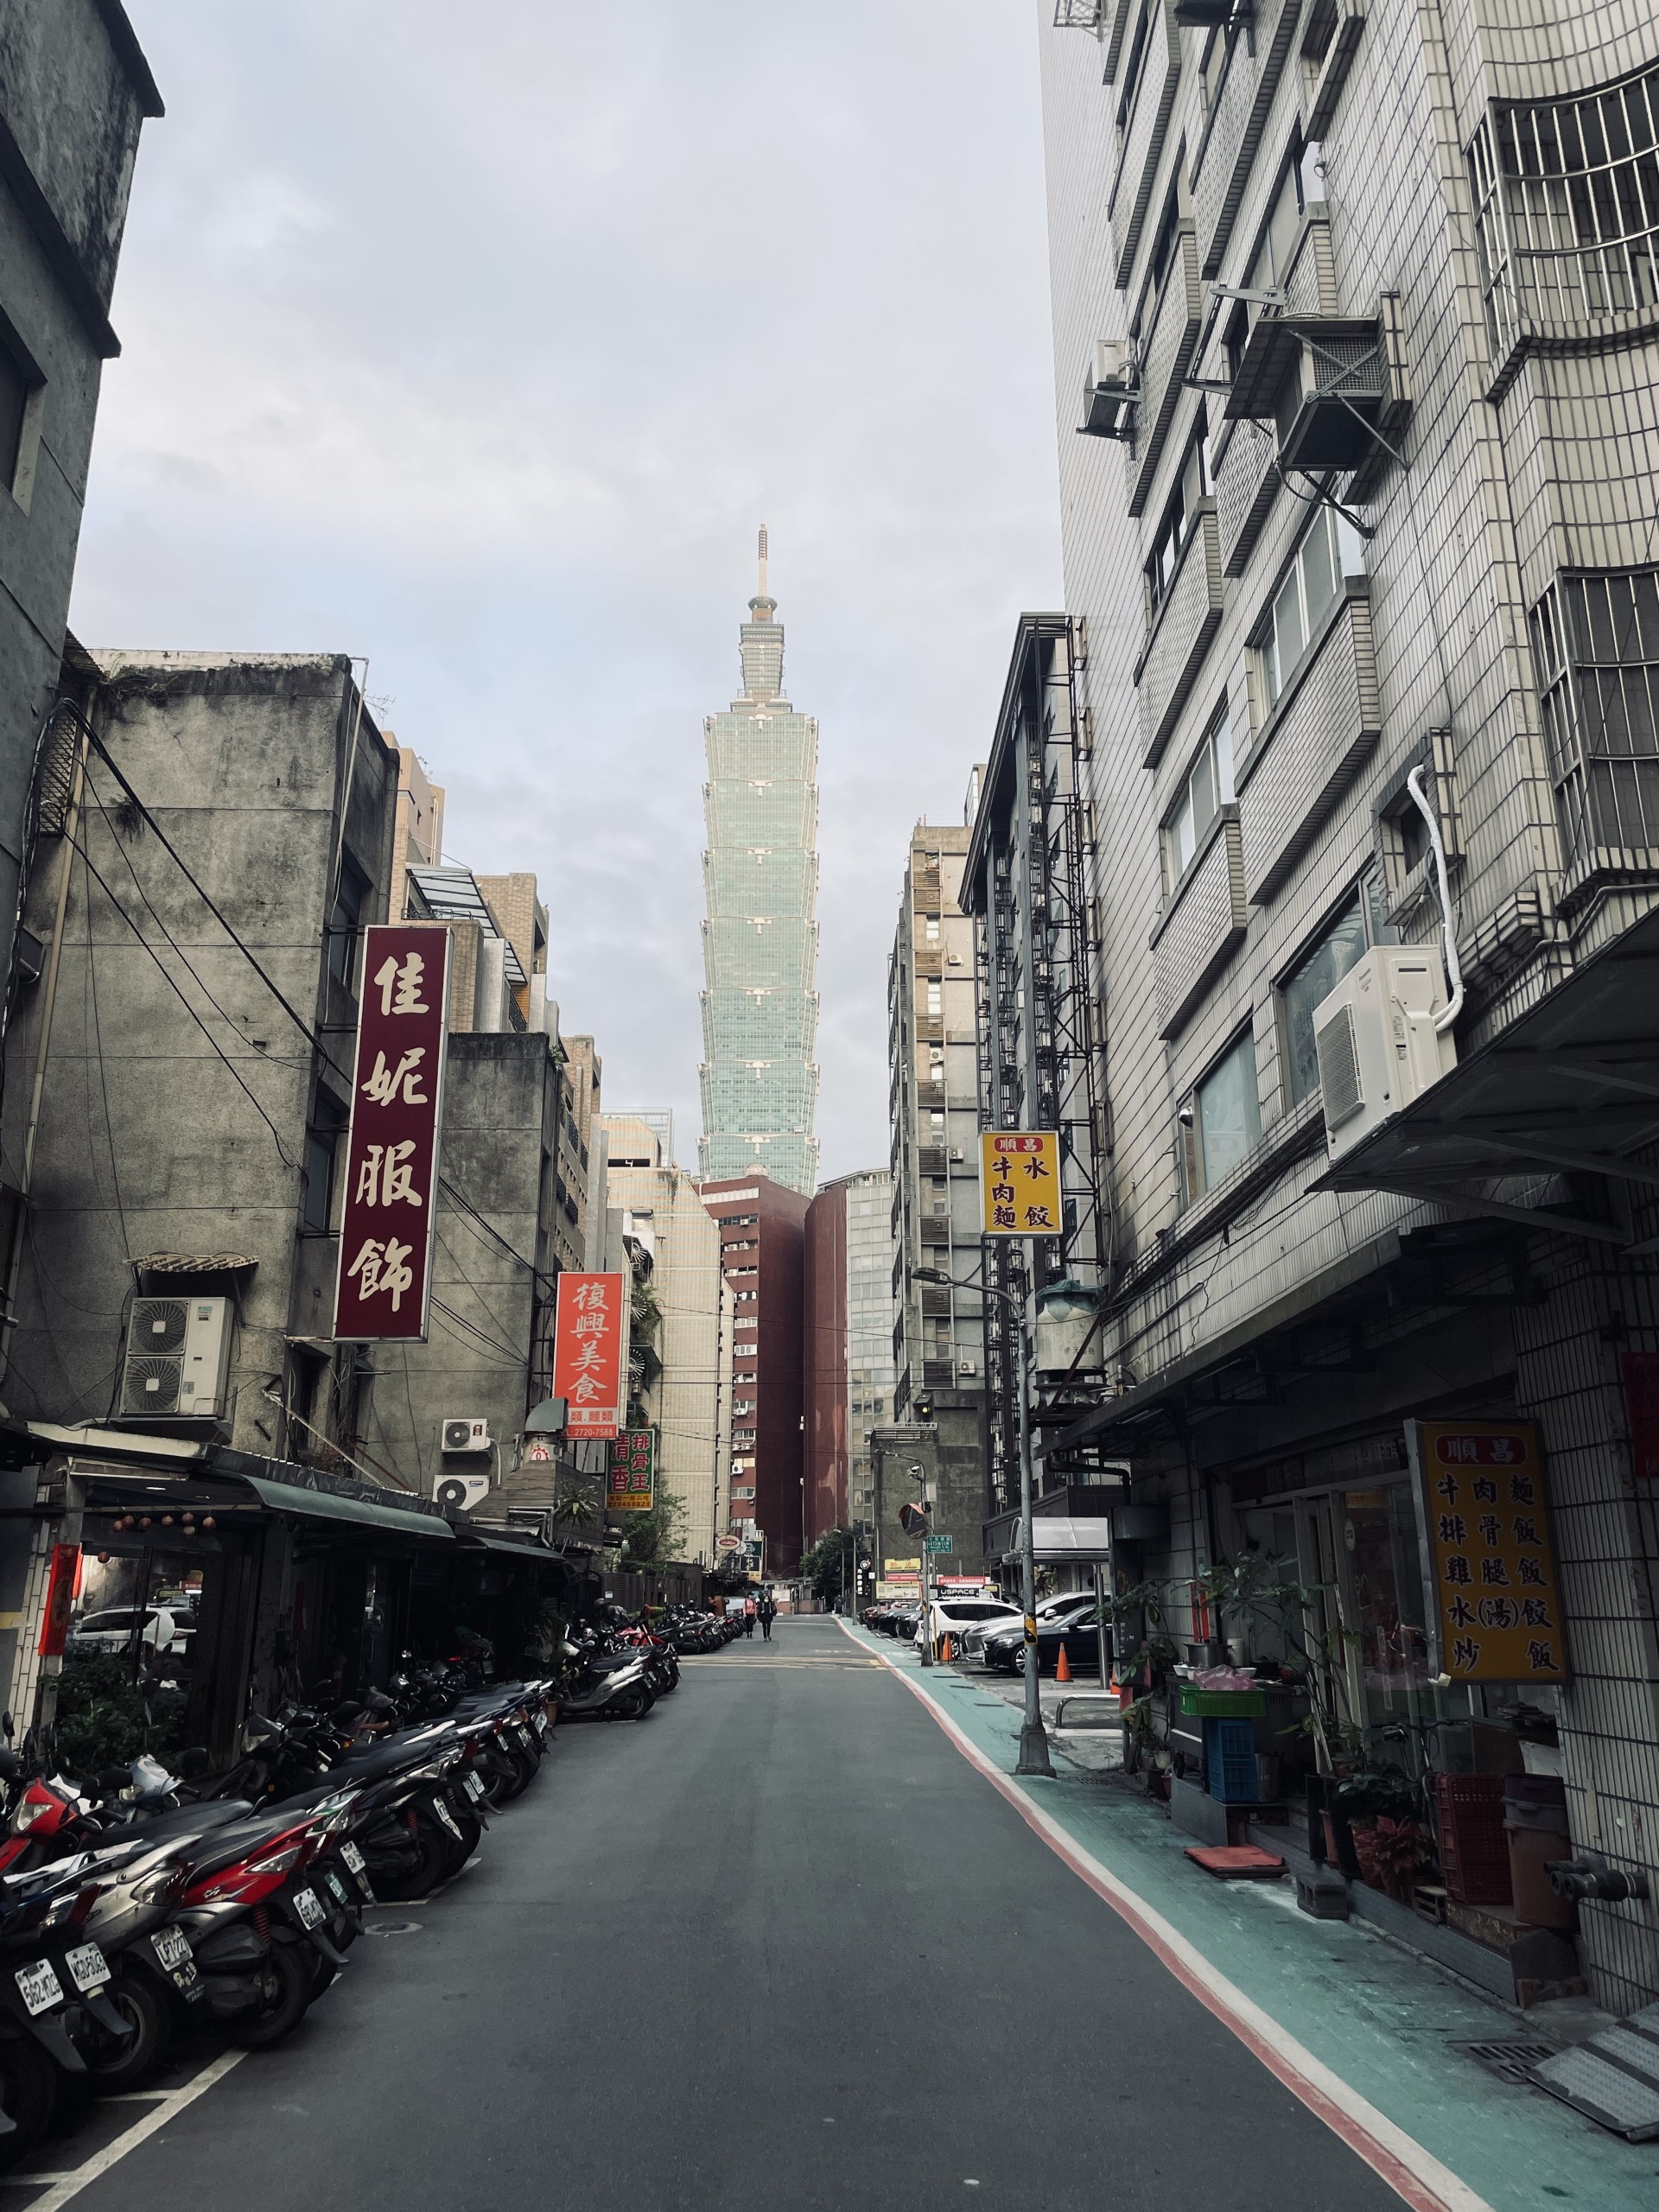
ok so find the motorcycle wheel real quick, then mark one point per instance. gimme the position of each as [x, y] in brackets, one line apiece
[459, 1854]
[322, 1972]
[284, 2009]
[631, 1705]
[524, 1773]
[147, 2013]
[431, 1864]
[28, 2092]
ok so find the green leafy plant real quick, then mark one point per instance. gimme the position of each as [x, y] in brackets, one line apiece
[653, 1539]
[1305, 1618]
[828, 1565]
[105, 1718]
[581, 1505]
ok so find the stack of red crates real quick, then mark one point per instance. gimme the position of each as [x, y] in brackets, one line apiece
[1474, 1849]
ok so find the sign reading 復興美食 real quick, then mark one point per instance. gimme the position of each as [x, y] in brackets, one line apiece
[631, 1484]
[1491, 1588]
[384, 1287]
[590, 1353]
[1019, 1183]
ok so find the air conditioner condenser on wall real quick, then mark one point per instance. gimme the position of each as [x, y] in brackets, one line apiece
[178, 1359]
[467, 1434]
[466, 1491]
[1378, 1048]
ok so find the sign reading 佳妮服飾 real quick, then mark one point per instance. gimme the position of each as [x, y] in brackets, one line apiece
[1493, 1600]
[631, 1487]
[590, 1353]
[1020, 1182]
[383, 1288]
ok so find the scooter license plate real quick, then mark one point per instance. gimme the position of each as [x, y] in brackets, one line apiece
[171, 1949]
[309, 1905]
[538, 1721]
[524, 1736]
[353, 1857]
[473, 1788]
[89, 1966]
[38, 1986]
[339, 1888]
[446, 1817]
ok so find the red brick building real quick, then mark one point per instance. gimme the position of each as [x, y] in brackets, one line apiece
[763, 1236]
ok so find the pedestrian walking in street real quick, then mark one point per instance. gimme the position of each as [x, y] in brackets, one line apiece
[768, 1614]
[748, 1618]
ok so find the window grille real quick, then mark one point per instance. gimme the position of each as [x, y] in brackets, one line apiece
[1567, 200]
[1595, 640]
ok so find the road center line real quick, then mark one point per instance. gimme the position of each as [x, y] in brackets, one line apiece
[1413, 2171]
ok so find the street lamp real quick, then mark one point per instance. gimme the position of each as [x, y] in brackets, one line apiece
[1034, 1736]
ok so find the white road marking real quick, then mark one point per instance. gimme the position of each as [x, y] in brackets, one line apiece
[167, 2107]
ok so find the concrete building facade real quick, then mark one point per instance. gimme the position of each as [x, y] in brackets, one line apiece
[849, 1320]
[1374, 395]
[688, 1400]
[762, 1246]
[760, 939]
[76, 91]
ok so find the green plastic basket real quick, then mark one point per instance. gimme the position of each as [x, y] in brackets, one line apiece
[1223, 1705]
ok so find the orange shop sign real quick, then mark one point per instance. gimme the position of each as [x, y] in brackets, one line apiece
[590, 1353]
[1493, 1597]
[1019, 1183]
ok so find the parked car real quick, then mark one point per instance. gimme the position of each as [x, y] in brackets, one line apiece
[954, 1617]
[1073, 1614]
[975, 1639]
[116, 1630]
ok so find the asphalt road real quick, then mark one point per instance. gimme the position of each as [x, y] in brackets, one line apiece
[778, 1945]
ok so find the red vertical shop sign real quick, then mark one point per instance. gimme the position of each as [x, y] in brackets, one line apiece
[1641, 1370]
[59, 1600]
[590, 1353]
[391, 1152]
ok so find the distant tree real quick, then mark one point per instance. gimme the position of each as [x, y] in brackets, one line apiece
[828, 1565]
[654, 1538]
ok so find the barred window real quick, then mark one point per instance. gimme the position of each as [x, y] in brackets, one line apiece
[1567, 200]
[1595, 640]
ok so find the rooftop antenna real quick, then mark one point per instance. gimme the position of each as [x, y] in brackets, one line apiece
[763, 593]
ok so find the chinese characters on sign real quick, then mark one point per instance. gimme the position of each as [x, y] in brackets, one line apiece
[1019, 1183]
[391, 1151]
[1494, 1608]
[631, 1487]
[590, 1353]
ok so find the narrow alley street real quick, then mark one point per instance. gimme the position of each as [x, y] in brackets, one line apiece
[783, 1946]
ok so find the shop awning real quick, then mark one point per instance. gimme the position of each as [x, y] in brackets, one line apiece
[1570, 1088]
[325, 1505]
[473, 1540]
[1052, 1539]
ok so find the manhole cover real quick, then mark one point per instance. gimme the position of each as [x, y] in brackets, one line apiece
[392, 1928]
[1509, 2061]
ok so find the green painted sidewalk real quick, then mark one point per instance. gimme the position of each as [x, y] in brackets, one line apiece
[1383, 2020]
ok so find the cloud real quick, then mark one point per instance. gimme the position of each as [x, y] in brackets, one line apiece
[485, 354]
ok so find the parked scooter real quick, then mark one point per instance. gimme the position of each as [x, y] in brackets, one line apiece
[607, 1685]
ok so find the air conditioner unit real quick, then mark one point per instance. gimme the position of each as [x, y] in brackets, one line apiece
[967, 1367]
[1377, 1045]
[465, 1436]
[178, 1359]
[466, 1491]
[1109, 391]
[956, 1153]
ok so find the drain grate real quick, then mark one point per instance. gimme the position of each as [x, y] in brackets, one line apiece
[1509, 2061]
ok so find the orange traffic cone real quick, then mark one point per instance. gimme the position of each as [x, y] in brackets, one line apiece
[946, 1651]
[1063, 1670]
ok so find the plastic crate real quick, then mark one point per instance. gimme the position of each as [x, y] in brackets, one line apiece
[1474, 1849]
[1223, 1705]
[1229, 1756]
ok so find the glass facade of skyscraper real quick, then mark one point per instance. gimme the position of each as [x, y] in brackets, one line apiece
[760, 939]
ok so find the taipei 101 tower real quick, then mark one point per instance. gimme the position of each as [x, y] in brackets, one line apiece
[760, 939]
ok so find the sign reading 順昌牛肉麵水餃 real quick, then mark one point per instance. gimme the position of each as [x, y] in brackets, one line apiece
[590, 1353]
[1492, 1597]
[1019, 1183]
[384, 1287]
[631, 1487]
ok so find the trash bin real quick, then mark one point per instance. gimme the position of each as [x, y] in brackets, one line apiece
[1535, 1827]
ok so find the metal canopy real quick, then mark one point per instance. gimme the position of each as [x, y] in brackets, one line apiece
[453, 896]
[1570, 1088]
[325, 1505]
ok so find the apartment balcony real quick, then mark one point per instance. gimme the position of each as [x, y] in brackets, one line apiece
[1185, 621]
[1165, 354]
[1143, 148]
[1201, 926]
[1235, 125]
[1323, 727]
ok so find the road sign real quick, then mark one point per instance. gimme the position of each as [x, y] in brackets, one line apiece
[1019, 1183]
[728, 1543]
[939, 1543]
[913, 1519]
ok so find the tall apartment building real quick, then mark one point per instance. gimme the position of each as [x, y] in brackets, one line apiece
[933, 1102]
[689, 1398]
[762, 1245]
[76, 91]
[760, 937]
[849, 1313]
[1359, 310]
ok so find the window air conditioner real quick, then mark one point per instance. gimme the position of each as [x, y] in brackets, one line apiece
[1377, 1045]
[466, 1491]
[465, 1436]
[178, 1360]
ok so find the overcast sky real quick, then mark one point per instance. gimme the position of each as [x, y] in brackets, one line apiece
[480, 340]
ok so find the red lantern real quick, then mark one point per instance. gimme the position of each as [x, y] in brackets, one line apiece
[209, 1523]
[143, 1521]
[103, 1559]
[167, 1520]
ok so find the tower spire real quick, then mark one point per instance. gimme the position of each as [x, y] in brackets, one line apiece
[763, 593]
[763, 606]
